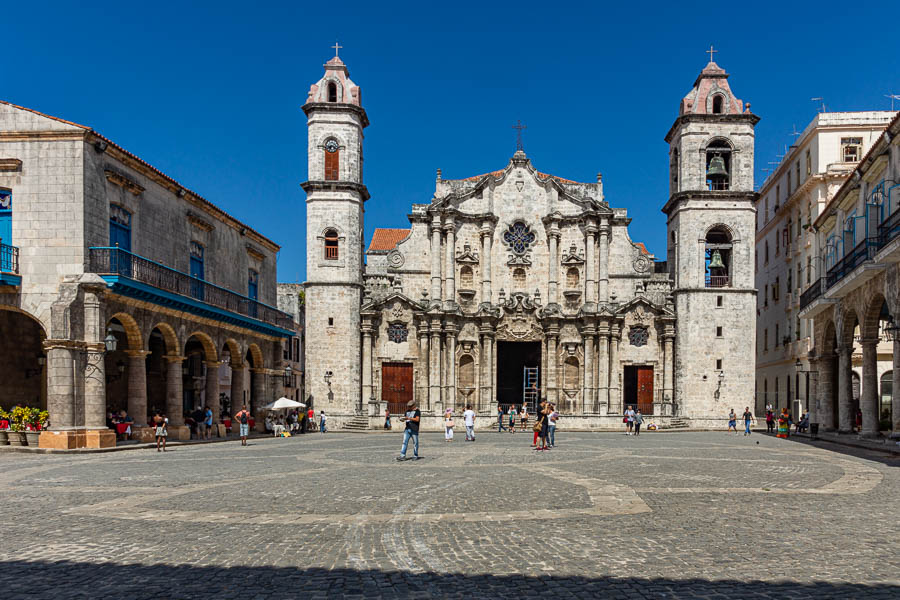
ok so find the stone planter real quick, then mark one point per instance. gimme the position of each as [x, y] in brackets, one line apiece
[16, 438]
[4, 438]
[32, 438]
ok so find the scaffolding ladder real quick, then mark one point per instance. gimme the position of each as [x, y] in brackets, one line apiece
[530, 389]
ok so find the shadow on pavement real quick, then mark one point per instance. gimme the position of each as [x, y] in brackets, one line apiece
[882, 456]
[64, 579]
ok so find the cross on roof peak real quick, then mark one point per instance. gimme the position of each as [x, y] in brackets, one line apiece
[711, 52]
[519, 127]
[336, 47]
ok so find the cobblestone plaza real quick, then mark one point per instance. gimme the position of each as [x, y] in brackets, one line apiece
[677, 515]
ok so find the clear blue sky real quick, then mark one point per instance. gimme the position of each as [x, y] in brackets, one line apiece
[211, 94]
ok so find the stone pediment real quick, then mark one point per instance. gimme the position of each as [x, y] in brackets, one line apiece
[467, 256]
[640, 309]
[571, 257]
[394, 298]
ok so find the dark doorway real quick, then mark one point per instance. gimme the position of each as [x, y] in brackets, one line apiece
[396, 385]
[513, 358]
[639, 388]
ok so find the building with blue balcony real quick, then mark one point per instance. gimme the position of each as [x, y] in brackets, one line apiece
[120, 289]
[854, 302]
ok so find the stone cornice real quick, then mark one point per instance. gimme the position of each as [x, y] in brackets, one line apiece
[123, 181]
[708, 195]
[199, 222]
[254, 253]
[711, 118]
[335, 186]
[336, 107]
[10, 164]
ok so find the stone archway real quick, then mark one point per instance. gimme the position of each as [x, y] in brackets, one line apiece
[126, 369]
[200, 384]
[24, 363]
[232, 380]
[258, 383]
[162, 345]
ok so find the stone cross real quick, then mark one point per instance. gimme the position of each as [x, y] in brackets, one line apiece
[336, 48]
[711, 51]
[519, 127]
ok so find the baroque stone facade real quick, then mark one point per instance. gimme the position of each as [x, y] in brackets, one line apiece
[518, 285]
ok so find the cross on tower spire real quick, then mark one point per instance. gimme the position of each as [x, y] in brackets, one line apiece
[711, 51]
[519, 127]
[336, 47]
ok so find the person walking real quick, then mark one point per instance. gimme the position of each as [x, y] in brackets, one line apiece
[208, 422]
[748, 418]
[554, 417]
[523, 417]
[469, 419]
[500, 426]
[784, 424]
[544, 432]
[243, 418]
[411, 418]
[732, 422]
[512, 418]
[638, 421]
[160, 422]
[770, 421]
[322, 428]
[387, 419]
[448, 425]
[538, 420]
[629, 420]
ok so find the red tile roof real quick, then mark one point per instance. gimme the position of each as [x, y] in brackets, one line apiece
[387, 239]
[642, 247]
[500, 172]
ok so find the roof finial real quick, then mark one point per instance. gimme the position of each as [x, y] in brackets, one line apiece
[711, 51]
[336, 47]
[519, 127]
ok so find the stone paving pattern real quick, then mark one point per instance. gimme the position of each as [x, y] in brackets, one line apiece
[664, 515]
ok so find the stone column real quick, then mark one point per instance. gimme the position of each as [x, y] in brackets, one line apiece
[668, 371]
[603, 266]
[450, 397]
[95, 389]
[436, 259]
[487, 366]
[826, 394]
[450, 275]
[492, 370]
[812, 391]
[62, 364]
[552, 373]
[845, 390]
[588, 394]
[174, 394]
[434, 374]
[603, 374]
[486, 238]
[554, 263]
[367, 389]
[258, 397]
[868, 402]
[590, 284]
[212, 389]
[615, 398]
[137, 386]
[424, 362]
[237, 386]
[895, 392]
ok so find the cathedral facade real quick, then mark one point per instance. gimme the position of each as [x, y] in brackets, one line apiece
[517, 285]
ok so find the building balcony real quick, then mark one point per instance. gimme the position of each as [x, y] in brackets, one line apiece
[813, 300]
[718, 281]
[9, 265]
[854, 269]
[141, 278]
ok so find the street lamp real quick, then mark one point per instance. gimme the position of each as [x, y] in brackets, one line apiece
[718, 391]
[287, 376]
[328, 376]
[110, 341]
[891, 331]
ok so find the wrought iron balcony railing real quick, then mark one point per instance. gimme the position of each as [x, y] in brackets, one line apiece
[862, 252]
[717, 281]
[9, 259]
[812, 293]
[116, 261]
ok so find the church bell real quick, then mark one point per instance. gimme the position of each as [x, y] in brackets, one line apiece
[716, 260]
[716, 167]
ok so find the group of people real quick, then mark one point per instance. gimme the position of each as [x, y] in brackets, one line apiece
[201, 423]
[115, 417]
[294, 422]
[468, 419]
[633, 420]
[544, 428]
[747, 418]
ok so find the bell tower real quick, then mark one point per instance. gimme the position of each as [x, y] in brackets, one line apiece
[710, 236]
[335, 195]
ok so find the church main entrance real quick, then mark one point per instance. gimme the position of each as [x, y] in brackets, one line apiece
[638, 390]
[396, 385]
[518, 374]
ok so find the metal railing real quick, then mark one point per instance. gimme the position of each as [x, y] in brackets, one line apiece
[812, 293]
[9, 259]
[889, 229]
[862, 252]
[116, 261]
[717, 281]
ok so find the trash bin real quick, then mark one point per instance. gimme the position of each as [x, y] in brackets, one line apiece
[813, 431]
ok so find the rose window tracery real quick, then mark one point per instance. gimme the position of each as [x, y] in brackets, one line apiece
[519, 238]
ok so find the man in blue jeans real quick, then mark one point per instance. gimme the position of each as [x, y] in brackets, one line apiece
[411, 418]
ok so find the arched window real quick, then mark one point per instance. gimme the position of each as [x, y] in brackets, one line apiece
[572, 278]
[519, 279]
[718, 257]
[887, 388]
[331, 244]
[332, 160]
[466, 278]
[718, 165]
[718, 104]
[332, 92]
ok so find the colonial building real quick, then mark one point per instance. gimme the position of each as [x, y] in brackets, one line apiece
[855, 300]
[518, 285]
[122, 289]
[291, 300]
[790, 199]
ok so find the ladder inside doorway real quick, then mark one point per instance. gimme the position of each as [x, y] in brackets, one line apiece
[530, 388]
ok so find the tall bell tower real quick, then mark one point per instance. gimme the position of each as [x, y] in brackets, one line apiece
[335, 195]
[711, 221]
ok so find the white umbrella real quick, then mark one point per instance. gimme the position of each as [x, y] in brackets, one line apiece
[284, 403]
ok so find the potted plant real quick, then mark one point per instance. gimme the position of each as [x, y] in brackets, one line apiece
[4, 438]
[35, 421]
[17, 418]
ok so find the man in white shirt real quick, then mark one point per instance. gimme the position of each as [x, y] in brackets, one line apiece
[469, 417]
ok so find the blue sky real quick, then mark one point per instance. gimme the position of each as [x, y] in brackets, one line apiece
[211, 93]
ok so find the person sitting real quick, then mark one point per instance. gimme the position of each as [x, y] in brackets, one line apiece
[270, 424]
[124, 417]
[803, 425]
[278, 427]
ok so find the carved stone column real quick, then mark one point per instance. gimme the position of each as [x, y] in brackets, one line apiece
[668, 371]
[826, 393]
[553, 238]
[615, 397]
[237, 386]
[367, 389]
[868, 403]
[812, 391]
[487, 369]
[258, 397]
[450, 268]
[212, 389]
[590, 267]
[552, 336]
[62, 364]
[845, 390]
[602, 402]
[137, 386]
[174, 394]
[434, 375]
[95, 371]
[603, 265]
[436, 258]
[424, 362]
[486, 238]
[895, 391]
[450, 396]
[588, 393]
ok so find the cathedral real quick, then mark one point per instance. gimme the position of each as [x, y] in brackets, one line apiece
[517, 285]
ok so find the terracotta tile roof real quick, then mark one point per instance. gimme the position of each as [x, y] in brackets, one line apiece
[201, 199]
[500, 172]
[642, 247]
[387, 239]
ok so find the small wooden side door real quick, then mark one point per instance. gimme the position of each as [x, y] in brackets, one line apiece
[396, 385]
[645, 389]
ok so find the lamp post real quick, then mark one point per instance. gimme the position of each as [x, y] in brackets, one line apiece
[718, 391]
[287, 376]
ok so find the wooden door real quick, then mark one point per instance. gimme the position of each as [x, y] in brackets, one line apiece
[645, 389]
[396, 385]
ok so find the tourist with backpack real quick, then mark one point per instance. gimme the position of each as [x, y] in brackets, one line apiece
[243, 417]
